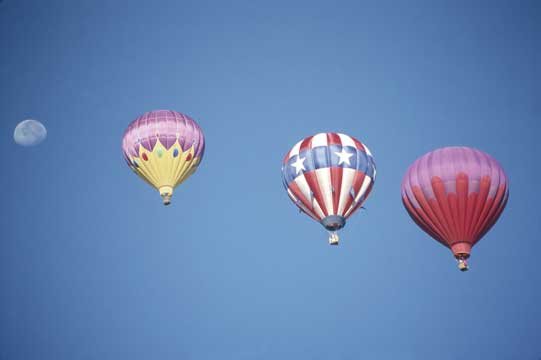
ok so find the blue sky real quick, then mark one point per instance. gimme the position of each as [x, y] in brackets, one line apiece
[94, 266]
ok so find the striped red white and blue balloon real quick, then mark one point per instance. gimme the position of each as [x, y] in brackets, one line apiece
[329, 176]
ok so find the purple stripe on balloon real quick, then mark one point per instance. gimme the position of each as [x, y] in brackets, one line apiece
[167, 126]
[447, 163]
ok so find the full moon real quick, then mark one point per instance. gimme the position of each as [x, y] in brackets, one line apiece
[29, 133]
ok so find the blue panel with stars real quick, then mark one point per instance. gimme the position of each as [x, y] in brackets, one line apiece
[325, 157]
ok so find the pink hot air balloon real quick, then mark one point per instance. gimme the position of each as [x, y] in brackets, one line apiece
[455, 194]
[164, 148]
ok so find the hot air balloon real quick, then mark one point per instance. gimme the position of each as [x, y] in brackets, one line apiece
[164, 148]
[329, 176]
[455, 194]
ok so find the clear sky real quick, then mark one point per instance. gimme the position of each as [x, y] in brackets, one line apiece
[93, 266]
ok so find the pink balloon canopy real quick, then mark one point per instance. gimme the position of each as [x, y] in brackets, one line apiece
[455, 194]
[166, 125]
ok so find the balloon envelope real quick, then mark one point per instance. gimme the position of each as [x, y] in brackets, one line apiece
[455, 194]
[329, 176]
[164, 148]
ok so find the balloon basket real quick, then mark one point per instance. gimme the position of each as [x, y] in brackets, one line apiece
[166, 199]
[334, 239]
[463, 265]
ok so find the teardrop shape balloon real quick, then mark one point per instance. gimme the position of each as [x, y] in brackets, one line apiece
[455, 194]
[329, 176]
[164, 148]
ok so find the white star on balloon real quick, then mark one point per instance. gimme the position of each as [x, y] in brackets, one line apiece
[299, 165]
[344, 156]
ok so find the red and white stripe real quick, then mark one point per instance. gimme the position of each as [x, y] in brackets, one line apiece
[328, 191]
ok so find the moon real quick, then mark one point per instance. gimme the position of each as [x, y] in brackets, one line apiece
[29, 133]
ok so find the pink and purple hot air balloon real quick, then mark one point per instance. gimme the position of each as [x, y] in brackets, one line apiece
[455, 194]
[164, 148]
